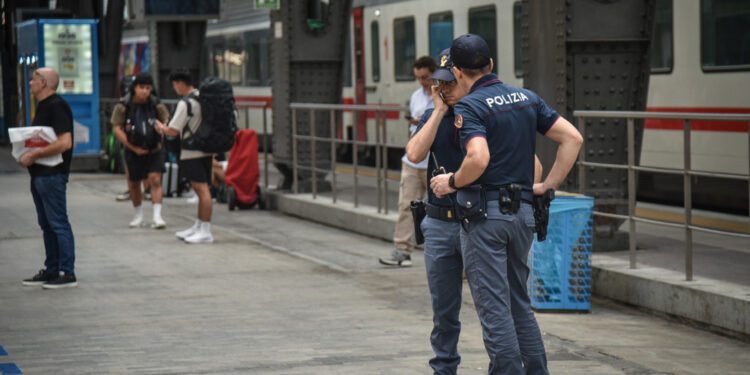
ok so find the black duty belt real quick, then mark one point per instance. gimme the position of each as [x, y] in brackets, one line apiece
[493, 194]
[441, 213]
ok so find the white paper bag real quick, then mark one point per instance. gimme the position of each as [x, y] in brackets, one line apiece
[30, 138]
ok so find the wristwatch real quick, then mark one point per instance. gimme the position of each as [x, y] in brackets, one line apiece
[452, 182]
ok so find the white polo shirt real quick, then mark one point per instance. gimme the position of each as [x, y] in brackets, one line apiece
[420, 101]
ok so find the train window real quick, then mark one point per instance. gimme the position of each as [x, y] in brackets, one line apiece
[257, 61]
[348, 61]
[441, 32]
[661, 41]
[517, 50]
[404, 48]
[483, 22]
[229, 63]
[375, 47]
[725, 35]
[253, 63]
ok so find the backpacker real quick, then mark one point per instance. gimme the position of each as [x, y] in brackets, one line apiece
[140, 121]
[216, 131]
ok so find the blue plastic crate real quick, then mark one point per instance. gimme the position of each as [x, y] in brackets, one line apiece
[560, 277]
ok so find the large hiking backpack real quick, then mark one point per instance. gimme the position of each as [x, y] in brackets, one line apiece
[140, 123]
[216, 131]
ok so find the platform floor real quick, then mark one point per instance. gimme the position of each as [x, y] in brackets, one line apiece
[273, 295]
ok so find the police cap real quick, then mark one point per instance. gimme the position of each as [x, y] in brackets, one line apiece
[444, 72]
[470, 51]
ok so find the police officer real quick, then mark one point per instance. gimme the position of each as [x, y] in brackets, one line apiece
[442, 247]
[437, 135]
[497, 125]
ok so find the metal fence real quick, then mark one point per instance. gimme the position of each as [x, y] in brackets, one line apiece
[380, 145]
[248, 106]
[686, 172]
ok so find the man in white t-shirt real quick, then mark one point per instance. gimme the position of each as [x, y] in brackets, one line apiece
[195, 165]
[413, 176]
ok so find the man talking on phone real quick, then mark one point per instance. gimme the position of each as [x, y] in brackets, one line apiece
[413, 175]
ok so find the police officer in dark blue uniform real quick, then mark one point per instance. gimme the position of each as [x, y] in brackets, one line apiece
[442, 248]
[497, 127]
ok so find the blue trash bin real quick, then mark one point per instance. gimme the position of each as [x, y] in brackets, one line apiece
[560, 276]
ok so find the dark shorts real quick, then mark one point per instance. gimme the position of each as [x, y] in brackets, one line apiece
[197, 170]
[140, 166]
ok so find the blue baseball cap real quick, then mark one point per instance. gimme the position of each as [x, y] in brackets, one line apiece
[470, 51]
[444, 72]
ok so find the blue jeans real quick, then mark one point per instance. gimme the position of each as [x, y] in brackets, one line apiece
[495, 253]
[442, 259]
[51, 211]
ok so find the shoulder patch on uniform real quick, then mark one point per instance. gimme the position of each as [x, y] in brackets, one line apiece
[459, 121]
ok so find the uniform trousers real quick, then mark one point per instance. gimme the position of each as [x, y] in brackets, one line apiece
[495, 253]
[413, 186]
[442, 259]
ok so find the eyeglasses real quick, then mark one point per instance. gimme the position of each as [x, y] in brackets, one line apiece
[449, 84]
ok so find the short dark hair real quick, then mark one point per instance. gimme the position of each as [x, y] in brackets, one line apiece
[181, 75]
[426, 62]
[143, 79]
[471, 73]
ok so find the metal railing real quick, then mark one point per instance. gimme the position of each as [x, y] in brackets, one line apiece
[686, 172]
[380, 144]
[247, 106]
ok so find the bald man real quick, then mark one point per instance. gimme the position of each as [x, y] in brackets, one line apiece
[48, 184]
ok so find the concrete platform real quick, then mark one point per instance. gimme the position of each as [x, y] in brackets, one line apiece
[273, 295]
[718, 298]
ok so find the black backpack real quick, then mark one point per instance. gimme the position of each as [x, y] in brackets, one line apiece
[216, 131]
[140, 125]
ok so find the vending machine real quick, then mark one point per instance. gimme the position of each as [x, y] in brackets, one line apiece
[70, 47]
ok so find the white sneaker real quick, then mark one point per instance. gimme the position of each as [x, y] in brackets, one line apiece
[158, 223]
[183, 234]
[193, 199]
[136, 222]
[200, 237]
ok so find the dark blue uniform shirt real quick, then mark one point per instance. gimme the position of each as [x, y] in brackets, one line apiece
[446, 149]
[508, 117]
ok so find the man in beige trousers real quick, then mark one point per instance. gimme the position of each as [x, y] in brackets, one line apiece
[413, 176]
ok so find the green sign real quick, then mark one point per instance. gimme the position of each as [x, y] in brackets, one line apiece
[267, 4]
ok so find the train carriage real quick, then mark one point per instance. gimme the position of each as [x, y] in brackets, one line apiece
[700, 63]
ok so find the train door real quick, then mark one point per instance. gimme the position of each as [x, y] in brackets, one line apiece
[359, 73]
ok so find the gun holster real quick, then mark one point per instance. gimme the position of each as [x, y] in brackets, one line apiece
[418, 213]
[471, 205]
[541, 213]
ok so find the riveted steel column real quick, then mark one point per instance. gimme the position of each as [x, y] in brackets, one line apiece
[591, 55]
[688, 204]
[303, 72]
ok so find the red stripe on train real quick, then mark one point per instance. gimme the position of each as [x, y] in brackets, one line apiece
[249, 98]
[699, 125]
[390, 115]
